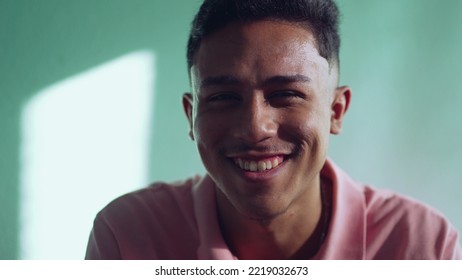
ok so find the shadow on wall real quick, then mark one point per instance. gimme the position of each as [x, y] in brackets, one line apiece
[81, 135]
[45, 43]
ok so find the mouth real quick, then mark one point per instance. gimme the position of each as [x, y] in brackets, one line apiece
[259, 165]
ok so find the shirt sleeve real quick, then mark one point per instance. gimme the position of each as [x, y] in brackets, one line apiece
[452, 250]
[102, 244]
[458, 253]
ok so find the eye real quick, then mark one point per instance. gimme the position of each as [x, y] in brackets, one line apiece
[223, 97]
[287, 94]
[285, 98]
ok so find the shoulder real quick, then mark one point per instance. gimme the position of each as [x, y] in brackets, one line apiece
[399, 227]
[147, 224]
[158, 197]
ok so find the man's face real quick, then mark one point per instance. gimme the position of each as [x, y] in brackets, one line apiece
[263, 104]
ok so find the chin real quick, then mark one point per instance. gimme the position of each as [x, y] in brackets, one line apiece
[261, 207]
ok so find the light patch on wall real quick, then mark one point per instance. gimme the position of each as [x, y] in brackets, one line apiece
[85, 142]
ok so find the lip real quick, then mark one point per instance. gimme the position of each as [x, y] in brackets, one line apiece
[259, 176]
[257, 155]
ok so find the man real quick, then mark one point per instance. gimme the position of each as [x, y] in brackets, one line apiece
[265, 98]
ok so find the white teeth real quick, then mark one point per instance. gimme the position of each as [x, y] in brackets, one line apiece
[251, 165]
[261, 166]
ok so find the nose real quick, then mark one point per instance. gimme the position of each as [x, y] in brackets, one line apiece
[257, 121]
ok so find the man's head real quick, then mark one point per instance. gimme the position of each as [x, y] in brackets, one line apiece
[264, 102]
[319, 16]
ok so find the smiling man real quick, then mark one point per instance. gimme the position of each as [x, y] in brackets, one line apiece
[265, 100]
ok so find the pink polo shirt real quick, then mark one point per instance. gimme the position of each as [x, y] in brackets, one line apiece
[179, 221]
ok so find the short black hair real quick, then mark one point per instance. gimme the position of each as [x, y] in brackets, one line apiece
[320, 16]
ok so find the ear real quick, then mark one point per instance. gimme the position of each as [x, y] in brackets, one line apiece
[188, 101]
[339, 107]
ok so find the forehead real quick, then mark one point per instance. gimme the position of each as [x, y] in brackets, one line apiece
[258, 50]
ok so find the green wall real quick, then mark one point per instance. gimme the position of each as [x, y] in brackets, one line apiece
[43, 42]
[404, 129]
[402, 59]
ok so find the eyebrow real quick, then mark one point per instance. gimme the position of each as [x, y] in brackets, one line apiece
[274, 80]
[219, 80]
[287, 79]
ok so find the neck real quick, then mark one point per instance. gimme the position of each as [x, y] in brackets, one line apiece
[296, 233]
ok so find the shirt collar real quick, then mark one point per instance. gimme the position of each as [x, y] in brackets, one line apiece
[211, 243]
[346, 233]
[347, 230]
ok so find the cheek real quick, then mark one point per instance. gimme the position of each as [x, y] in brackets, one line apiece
[208, 131]
[308, 128]
[209, 136]
[205, 137]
